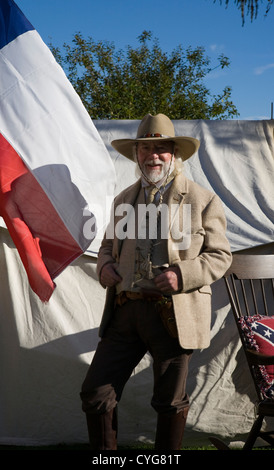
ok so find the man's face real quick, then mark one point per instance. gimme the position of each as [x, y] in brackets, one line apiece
[154, 159]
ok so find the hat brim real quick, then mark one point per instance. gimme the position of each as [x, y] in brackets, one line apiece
[187, 146]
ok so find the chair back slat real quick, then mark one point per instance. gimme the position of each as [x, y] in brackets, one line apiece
[234, 293]
[253, 297]
[262, 282]
[243, 291]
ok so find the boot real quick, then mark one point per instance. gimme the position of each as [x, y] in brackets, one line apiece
[170, 430]
[102, 430]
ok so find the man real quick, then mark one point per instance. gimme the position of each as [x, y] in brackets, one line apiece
[158, 275]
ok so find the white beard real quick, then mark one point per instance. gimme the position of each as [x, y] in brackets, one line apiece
[156, 176]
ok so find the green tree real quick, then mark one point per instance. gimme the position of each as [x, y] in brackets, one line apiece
[129, 84]
[250, 7]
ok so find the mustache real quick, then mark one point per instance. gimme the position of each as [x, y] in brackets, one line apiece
[153, 162]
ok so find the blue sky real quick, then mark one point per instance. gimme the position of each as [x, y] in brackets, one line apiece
[189, 23]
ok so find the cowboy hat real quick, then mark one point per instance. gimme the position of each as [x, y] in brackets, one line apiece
[154, 128]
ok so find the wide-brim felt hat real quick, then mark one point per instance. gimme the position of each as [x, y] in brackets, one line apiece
[154, 128]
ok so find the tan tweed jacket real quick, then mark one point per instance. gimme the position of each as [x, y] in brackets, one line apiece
[202, 261]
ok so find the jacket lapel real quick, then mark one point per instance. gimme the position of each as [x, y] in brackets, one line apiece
[130, 194]
[177, 191]
[129, 197]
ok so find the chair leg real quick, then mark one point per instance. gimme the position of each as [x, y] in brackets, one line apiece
[254, 433]
[267, 436]
[220, 445]
[252, 436]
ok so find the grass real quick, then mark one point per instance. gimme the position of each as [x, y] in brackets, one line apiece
[85, 447]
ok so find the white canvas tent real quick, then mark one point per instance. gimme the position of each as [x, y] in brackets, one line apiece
[46, 348]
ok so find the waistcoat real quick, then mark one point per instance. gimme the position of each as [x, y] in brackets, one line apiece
[147, 245]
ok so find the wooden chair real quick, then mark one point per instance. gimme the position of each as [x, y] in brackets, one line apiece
[250, 287]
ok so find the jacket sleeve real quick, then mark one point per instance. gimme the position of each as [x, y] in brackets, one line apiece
[214, 257]
[104, 256]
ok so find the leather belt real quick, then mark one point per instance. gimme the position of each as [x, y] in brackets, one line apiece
[125, 296]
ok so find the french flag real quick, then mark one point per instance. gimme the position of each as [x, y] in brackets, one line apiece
[55, 171]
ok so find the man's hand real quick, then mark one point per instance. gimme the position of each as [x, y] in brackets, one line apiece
[109, 276]
[169, 281]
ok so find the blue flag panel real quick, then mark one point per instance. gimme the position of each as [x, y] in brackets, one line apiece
[13, 22]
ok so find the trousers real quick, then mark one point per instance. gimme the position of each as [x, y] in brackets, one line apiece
[135, 329]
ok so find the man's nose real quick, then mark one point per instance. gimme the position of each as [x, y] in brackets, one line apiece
[154, 152]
